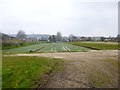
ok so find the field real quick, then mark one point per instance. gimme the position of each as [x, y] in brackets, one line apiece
[48, 47]
[25, 72]
[64, 47]
[98, 45]
[61, 65]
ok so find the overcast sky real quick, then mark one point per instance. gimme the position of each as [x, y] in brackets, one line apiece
[78, 17]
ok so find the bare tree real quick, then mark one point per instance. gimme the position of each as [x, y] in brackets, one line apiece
[71, 37]
[59, 36]
[21, 34]
[52, 38]
[102, 38]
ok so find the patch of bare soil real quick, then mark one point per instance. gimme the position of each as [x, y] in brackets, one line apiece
[98, 68]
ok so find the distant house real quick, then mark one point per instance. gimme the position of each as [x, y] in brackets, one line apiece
[30, 39]
[83, 38]
[96, 38]
[108, 39]
[73, 38]
[65, 39]
[39, 37]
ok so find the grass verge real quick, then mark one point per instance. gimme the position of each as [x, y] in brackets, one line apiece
[23, 71]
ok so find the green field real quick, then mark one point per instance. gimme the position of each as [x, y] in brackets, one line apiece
[97, 45]
[48, 47]
[24, 72]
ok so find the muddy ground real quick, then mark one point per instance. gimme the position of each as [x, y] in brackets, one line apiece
[93, 69]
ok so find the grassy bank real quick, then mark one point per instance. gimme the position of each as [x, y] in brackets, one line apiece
[14, 45]
[26, 72]
[97, 45]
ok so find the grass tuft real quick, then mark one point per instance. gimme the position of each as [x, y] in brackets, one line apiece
[99, 79]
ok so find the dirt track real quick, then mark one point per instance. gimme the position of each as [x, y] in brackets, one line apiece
[84, 69]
